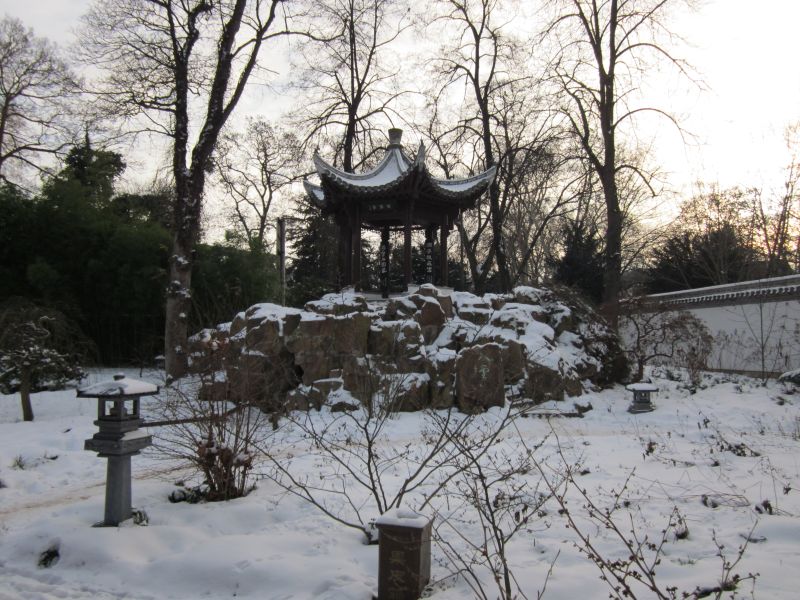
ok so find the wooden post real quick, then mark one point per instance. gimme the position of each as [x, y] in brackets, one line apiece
[282, 257]
[344, 250]
[407, 276]
[356, 247]
[429, 233]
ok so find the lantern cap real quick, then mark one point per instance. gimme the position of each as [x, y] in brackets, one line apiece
[642, 387]
[121, 386]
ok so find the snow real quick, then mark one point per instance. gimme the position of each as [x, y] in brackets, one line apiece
[137, 434]
[642, 387]
[465, 185]
[392, 167]
[273, 545]
[119, 387]
[402, 517]
[267, 310]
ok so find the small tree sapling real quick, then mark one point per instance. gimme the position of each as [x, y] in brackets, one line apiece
[655, 333]
[485, 506]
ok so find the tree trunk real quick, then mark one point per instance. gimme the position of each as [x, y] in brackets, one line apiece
[188, 206]
[25, 395]
[497, 239]
[179, 303]
[639, 370]
[612, 277]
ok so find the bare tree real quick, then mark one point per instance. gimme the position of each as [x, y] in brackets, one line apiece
[182, 68]
[605, 48]
[487, 62]
[254, 168]
[777, 217]
[35, 84]
[503, 123]
[349, 81]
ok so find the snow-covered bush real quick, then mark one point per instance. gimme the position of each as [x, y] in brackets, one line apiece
[34, 352]
[218, 438]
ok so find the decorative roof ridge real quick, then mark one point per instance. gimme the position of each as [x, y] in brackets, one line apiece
[487, 175]
[315, 192]
[395, 153]
[419, 160]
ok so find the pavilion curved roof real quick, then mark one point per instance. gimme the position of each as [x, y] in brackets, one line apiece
[395, 174]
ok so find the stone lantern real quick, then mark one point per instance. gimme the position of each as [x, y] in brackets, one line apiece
[118, 438]
[641, 397]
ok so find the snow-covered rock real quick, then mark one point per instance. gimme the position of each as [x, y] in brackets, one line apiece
[457, 349]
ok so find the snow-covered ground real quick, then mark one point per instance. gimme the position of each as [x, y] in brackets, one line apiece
[714, 456]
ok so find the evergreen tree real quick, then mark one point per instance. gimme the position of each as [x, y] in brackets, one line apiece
[581, 265]
[151, 208]
[315, 243]
[88, 175]
[227, 280]
[691, 259]
[101, 260]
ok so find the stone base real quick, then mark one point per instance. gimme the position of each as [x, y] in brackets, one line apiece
[641, 408]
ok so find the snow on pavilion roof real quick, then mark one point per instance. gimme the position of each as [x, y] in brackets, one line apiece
[394, 169]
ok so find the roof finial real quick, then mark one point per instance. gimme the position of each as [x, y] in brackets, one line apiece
[395, 136]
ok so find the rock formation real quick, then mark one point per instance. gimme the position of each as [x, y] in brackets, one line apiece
[419, 351]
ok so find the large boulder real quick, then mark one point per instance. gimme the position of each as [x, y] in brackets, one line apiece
[441, 369]
[514, 358]
[322, 343]
[394, 338]
[338, 304]
[543, 383]
[479, 378]
[261, 379]
[430, 317]
[265, 336]
[399, 309]
[407, 392]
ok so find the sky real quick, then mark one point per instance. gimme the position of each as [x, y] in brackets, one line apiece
[746, 57]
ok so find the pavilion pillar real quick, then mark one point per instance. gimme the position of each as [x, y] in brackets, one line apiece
[445, 229]
[384, 262]
[356, 247]
[345, 249]
[407, 248]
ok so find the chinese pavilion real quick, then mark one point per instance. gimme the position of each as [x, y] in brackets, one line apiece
[399, 194]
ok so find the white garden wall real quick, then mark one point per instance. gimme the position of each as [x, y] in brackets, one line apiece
[755, 324]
